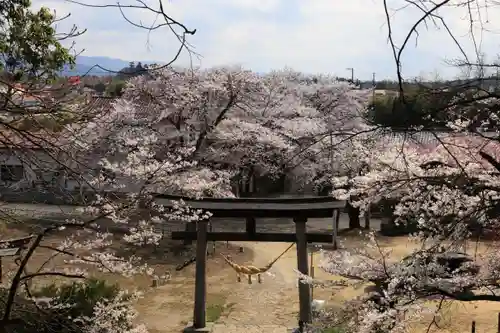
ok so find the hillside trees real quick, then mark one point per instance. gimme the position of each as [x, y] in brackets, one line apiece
[131, 71]
[432, 109]
[115, 88]
[421, 107]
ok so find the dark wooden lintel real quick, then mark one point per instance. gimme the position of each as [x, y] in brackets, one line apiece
[311, 207]
[257, 237]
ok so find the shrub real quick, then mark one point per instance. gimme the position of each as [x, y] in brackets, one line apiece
[94, 305]
[82, 296]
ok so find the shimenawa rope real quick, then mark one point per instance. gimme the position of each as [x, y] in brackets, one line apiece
[252, 270]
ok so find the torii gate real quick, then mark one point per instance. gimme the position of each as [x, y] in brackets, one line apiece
[299, 209]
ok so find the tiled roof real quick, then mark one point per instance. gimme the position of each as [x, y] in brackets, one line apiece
[99, 104]
[454, 143]
[96, 105]
[425, 138]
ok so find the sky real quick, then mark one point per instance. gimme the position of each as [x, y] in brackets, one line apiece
[314, 36]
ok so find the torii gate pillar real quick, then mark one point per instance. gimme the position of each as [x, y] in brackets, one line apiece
[305, 315]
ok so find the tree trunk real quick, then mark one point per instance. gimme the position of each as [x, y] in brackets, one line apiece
[251, 183]
[246, 183]
[353, 213]
[244, 187]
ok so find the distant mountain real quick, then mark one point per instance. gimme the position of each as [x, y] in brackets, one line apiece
[84, 66]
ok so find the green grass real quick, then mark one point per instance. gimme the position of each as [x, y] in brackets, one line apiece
[214, 312]
[333, 330]
[217, 307]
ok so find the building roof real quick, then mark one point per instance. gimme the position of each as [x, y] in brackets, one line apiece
[74, 80]
[96, 105]
[458, 144]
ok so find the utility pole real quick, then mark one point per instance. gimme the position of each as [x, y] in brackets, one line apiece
[374, 85]
[352, 74]
[496, 79]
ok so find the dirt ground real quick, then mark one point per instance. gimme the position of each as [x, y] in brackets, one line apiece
[168, 308]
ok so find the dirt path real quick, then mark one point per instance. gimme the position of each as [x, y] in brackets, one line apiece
[248, 307]
[273, 305]
[272, 302]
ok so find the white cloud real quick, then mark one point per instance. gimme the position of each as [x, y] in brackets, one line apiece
[327, 37]
[310, 35]
[259, 5]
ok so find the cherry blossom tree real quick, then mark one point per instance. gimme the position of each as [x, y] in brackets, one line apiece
[331, 126]
[449, 192]
[123, 150]
[32, 56]
[279, 115]
[176, 130]
[188, 132]
[319, 115]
